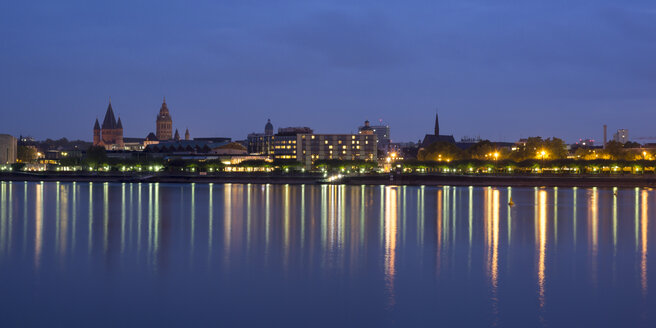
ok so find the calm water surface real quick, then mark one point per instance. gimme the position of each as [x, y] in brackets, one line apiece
[112, 254]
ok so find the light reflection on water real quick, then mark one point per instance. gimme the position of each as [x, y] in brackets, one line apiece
[389, 250]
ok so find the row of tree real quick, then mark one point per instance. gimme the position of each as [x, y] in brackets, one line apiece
[533, 148]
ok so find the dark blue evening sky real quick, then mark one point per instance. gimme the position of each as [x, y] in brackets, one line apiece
[498, 69]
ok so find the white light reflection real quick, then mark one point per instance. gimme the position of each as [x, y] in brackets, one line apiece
[38, 231]
[643, 238]
[492, 243]
[593, 227]
[542, 245]
[390, 240]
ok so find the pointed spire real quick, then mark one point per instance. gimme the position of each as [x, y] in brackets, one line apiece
[437, 125]
[164, 110]
[187, 134]
[110, 120]
[177, 135]
[97, 125]
[119, 125]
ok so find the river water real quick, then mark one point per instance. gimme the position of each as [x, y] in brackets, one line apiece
[113, 254]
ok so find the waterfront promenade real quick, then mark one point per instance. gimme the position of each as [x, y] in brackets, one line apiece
[516, 180]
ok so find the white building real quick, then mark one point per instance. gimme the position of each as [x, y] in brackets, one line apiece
[622, 136]
[8, 149]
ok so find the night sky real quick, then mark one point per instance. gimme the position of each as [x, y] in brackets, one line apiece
[500, 70]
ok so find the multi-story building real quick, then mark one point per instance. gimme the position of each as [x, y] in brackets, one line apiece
[283, 144]
[313, 147]
[622, 136]
[260, 143]
[8, 149]
[302, 145]
[382, 133]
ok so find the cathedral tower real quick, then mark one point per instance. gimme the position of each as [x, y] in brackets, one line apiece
[164, 123]
[111, 132]
[96, 134]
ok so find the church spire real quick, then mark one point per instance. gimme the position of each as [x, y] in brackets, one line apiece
[437, 125]
[110, 120]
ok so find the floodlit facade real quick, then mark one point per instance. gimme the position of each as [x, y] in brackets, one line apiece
[8, 149]
[164, 123]
[110, 135]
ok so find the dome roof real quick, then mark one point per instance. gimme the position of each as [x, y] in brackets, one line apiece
[164, 115]
[268, 128]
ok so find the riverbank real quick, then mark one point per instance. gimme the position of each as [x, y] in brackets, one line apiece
[625, 181]
[368, 179]
[163, 177]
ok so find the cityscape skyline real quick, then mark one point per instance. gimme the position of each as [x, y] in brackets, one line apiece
[500, 71]
[348, 129]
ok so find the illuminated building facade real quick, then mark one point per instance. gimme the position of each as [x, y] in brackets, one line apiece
[382, 133]
[164, 123]
[283, 145]
[260, 143]
[312, 147]
[8, 149]
[110, 134]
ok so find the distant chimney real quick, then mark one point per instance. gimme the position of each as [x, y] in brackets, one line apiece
[605, 135]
